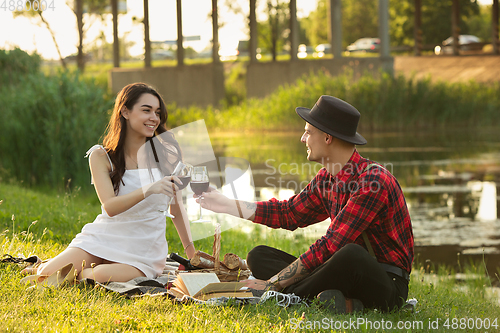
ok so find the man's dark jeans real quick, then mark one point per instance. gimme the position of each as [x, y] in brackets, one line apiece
[351, 270]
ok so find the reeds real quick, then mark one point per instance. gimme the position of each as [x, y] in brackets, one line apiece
[385, 103]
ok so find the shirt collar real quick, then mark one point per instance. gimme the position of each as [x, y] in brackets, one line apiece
[349, 168]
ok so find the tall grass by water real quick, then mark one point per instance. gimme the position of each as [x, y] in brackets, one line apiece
[385, 103]
[441, 298]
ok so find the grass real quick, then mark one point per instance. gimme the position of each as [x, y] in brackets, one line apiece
[84, 308]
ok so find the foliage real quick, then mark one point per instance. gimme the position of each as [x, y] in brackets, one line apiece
[436, 20]
[234, 83]
[360, 19]
[273, 34]
[47, 124]
[480, 25]
[102, 50]
[16, 63]
[32, 14]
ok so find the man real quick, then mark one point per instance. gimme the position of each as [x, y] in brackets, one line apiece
[365, 257]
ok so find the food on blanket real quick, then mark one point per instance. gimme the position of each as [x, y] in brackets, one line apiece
[232, 261]
[203, 260]
[206, 263]
[227, 275]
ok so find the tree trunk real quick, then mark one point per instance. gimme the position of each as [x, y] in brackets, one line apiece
[63, 63]
[79, 22]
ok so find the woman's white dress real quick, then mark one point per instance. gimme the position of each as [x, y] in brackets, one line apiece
[135, 237]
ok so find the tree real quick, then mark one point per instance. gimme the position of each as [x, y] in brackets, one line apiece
[360, 19]
[273, 34]
[436, 19]
[316, 24]
[480, 25]
[102, 51]
[38, 14]
[94, 9]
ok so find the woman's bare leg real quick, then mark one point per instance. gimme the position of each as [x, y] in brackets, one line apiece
[111, 272]
[103, 270]
[78, 257]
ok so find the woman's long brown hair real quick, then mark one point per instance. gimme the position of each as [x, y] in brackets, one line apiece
[116, 132]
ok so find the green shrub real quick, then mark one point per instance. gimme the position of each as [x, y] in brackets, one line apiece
[16, 63]
[47, 124]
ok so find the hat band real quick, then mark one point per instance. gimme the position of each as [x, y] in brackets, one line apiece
[336, 126]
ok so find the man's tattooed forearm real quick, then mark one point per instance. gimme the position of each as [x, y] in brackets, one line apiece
[292, 272]
[250, 205]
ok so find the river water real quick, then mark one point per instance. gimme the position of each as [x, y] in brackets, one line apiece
[450, 178]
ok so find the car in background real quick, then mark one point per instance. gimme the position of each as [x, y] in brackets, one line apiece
[304, 51]
[162, 54]
[364, 45]
[323, 49]
[243, 48]
[465, 43]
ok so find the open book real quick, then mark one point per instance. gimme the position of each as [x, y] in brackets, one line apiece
[204, 286]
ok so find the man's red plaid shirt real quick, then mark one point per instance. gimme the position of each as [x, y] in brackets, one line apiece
[355, 200]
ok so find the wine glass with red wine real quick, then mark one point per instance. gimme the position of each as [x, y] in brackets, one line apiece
[199, 184]
[183, 172]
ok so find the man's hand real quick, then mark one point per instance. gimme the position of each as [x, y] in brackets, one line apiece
[259, 284]
[213, 200]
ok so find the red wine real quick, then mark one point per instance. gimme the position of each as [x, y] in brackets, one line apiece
[185, 181]
[199, 187]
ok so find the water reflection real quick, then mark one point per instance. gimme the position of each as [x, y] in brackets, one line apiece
[450, 178]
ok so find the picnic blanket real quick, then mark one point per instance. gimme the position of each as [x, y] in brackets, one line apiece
[143, 286]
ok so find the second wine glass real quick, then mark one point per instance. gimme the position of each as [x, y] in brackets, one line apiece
[183, 172]
[199, 184]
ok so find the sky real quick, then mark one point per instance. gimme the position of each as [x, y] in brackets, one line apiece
[27, 35]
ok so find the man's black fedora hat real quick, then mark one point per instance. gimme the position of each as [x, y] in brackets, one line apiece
[335, 117]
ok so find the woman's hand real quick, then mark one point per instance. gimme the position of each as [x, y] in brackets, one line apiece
[213, 200]
[168, 185]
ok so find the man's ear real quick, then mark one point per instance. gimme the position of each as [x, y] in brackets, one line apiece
[328, 139]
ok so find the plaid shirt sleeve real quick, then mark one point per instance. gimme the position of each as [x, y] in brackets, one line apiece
[355, 217]
[298, 211]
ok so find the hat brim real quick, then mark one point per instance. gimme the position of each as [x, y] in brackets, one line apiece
[357, 139]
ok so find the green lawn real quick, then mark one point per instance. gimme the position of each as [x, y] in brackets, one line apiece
[441, 300]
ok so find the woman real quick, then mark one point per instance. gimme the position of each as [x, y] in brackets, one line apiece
[128, 239]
